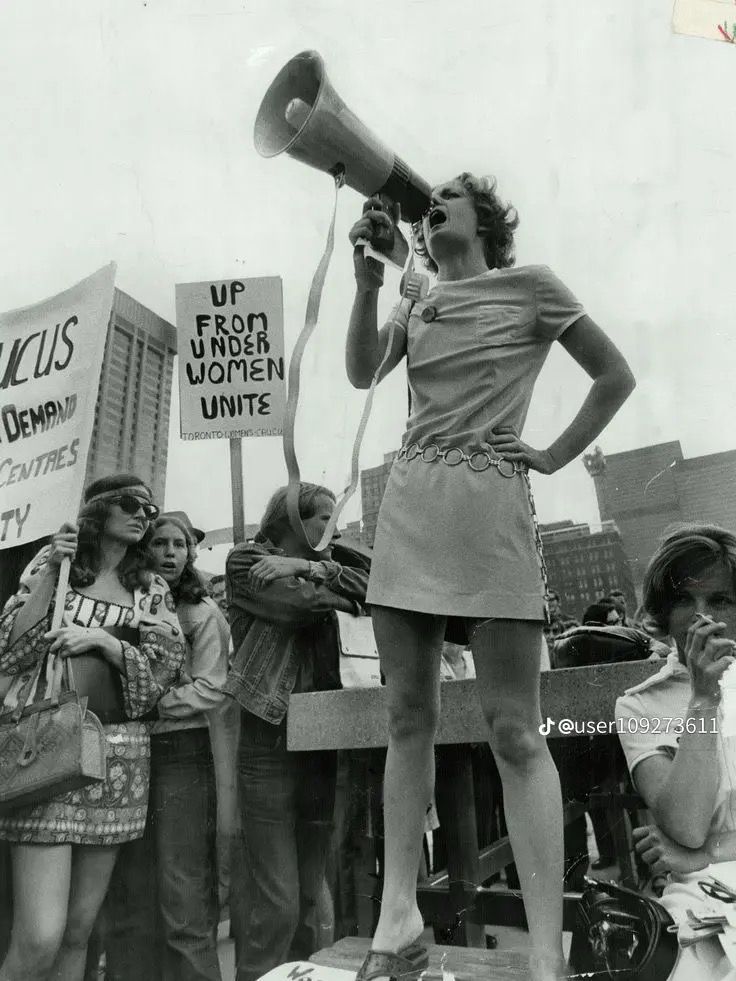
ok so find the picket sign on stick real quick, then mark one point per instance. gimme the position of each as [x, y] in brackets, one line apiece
[55, 665]
[236, 487]
[62, 585]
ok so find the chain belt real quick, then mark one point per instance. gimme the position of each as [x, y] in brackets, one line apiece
[479, 461]
[538, 542]
[453, 456]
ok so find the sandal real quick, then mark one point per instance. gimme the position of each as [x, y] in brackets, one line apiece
[405, 964]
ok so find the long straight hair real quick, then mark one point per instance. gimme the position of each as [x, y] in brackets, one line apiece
[275, 520]
[135, 571]
[191, 587]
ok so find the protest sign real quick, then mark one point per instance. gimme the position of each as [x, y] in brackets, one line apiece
[714, 19]
[231, 358]
[50, 359]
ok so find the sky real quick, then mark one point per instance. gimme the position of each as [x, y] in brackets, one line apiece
[128, 136]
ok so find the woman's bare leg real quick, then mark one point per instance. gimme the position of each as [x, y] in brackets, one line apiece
[506, 655]
[410, 646]
[41, 876]
[92, 867]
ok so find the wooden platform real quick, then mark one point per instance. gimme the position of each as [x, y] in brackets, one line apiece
[466, 963]
[356, 718]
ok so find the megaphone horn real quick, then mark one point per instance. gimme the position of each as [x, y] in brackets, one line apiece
[302, 115]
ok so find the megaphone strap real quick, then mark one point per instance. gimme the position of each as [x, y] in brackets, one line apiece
[292, 464]
[295, 365]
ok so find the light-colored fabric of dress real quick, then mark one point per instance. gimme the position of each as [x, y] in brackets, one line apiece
[451, 540]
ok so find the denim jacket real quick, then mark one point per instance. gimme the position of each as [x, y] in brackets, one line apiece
[271, 627]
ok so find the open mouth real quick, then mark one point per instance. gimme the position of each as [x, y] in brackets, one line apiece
[436, 217]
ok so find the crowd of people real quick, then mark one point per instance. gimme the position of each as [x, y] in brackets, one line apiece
[203, 803]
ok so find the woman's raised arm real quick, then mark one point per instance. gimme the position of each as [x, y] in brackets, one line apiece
[366, 345]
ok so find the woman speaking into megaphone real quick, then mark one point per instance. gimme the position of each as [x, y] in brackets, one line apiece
[457, 534]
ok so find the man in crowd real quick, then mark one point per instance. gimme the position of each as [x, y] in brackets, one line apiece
[217, 592]
[618, 599]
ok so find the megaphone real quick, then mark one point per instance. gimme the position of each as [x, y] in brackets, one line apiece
[302, 115]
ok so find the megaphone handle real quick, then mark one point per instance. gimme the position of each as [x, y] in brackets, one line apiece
[383, 237]
[368, 405]
[388, 244]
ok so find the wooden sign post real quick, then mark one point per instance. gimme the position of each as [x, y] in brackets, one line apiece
[236, 486]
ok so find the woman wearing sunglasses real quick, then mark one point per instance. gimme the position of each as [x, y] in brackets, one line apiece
[64, 850]
[678, 732]
[162, 909]
[456, 532]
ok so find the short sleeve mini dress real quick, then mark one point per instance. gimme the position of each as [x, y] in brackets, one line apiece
[455, 535]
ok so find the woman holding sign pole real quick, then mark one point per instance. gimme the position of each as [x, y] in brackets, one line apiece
[117, 610]
[457, 535]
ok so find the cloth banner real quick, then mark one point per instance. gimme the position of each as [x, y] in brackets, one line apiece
[50, 360]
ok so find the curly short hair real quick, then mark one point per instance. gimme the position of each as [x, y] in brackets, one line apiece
[136, 569]
[497, 223]
[685, 552]
[191, 587]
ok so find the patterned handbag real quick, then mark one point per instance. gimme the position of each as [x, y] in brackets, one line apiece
[48, 746]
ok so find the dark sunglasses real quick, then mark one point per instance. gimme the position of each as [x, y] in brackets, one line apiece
[132, 505]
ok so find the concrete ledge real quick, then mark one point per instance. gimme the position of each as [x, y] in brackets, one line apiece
[356, 718]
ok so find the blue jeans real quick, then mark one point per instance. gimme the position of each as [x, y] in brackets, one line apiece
[287, 804]
[162, 909]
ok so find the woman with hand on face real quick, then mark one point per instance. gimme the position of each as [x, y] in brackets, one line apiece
[163, 908]
[456, 532]
[679, 735]
[64, 850]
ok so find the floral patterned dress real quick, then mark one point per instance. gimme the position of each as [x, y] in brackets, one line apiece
[114, 811]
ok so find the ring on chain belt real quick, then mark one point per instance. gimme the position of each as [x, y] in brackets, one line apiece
[453, 456]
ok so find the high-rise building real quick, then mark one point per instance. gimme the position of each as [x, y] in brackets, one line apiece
[372, 486]
[648, 489]
[131, 428]
[583, 565]
[352, 532]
